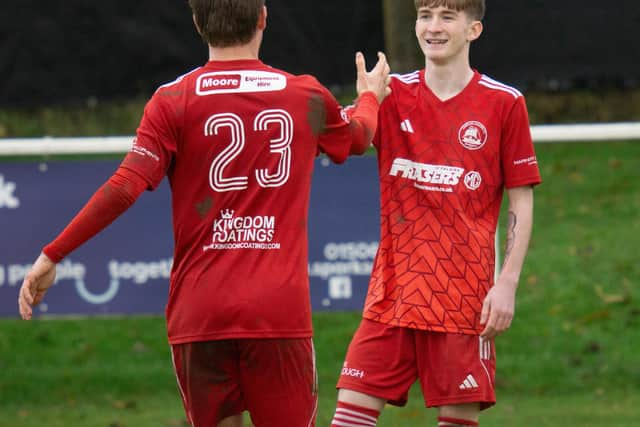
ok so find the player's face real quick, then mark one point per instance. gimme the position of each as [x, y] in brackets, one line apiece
[445, 34]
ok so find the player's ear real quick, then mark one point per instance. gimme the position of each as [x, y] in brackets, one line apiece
[475, 29]
[262, 20]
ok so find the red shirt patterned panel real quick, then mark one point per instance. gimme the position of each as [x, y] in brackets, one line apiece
[443, 168]
[237, 141]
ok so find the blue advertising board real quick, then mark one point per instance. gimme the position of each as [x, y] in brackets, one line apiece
[125, 269]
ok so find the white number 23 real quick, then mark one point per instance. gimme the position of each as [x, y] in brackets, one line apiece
[280, 145]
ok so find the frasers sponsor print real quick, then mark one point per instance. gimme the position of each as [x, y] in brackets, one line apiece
[239, 82]
[434, 177]
[243, 232]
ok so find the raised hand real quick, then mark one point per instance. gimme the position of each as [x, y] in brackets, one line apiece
[377, 80]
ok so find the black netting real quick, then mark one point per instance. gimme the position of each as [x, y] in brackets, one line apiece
[58, 52]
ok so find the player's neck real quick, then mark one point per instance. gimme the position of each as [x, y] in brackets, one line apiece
[448, 80]
[249, 51]
[231, 53]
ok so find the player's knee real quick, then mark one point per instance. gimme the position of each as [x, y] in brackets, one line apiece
[456, 422]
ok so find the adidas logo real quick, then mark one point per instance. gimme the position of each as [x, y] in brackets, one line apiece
[406, 126]
[469, 383]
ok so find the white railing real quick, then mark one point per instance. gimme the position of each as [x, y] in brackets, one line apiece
[107, 145]
[586, 132]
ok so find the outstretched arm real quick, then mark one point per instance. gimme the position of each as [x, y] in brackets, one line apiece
[108, 203]
[499, 304]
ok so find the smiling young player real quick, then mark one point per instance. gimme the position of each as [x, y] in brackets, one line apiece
[450, 141]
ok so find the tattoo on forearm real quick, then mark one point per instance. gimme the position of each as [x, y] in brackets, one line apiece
[511, 235]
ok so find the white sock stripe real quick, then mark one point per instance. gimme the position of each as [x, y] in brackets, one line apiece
[343, 424]
[358, 420]
[355, 413]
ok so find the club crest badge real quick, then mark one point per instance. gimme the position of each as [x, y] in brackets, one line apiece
[472, 135]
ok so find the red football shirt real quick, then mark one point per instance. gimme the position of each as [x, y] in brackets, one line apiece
[443, 168]
[237, 141]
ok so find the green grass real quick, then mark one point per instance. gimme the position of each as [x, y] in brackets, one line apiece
[570, 358]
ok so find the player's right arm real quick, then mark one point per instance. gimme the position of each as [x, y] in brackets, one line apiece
[357, 123]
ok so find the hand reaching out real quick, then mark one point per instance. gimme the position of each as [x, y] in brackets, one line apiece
[377, 80]
[35, 285]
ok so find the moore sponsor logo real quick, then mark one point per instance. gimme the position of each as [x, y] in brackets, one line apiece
[243, 232]
[427, 177]
[239, 82]
[220, 81]
[8, 199]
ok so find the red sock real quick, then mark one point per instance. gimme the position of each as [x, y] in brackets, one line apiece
[448, 421]
[349, 415]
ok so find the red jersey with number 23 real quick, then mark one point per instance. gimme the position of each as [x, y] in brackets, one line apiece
[443, 168]
[238, 140]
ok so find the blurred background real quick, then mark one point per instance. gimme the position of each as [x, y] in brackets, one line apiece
[97, 354]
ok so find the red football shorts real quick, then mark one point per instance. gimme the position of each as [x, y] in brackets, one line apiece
[384, 362]
[274, 379]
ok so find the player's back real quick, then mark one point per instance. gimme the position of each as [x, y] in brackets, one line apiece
[238, 141]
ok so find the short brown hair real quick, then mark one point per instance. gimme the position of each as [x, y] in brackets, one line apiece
[474, 8]
[225, 23]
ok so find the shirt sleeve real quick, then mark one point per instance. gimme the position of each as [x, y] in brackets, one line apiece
[155, 145]
[519, 161]
[107, 204]
[348, 130]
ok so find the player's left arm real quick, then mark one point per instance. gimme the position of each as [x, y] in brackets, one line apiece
[499, 305]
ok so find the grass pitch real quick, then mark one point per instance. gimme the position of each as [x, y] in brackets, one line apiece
[570, 358]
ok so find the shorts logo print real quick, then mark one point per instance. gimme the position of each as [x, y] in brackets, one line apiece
[469, 383]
